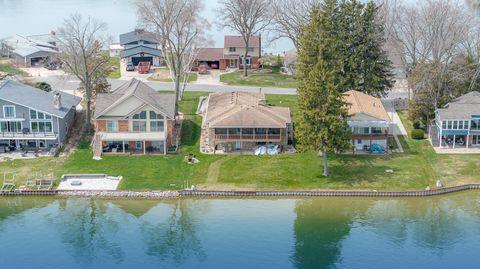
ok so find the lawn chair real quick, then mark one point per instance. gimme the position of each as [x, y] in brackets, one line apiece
[8, 182]
[44, 183]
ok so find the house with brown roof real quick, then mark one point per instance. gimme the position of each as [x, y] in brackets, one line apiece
[243, 121]
[232, 55]
[134, 118]
[368, 120]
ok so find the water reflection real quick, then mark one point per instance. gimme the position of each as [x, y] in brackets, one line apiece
[175, 237]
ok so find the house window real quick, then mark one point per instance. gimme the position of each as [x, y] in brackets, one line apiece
[376, 130]
[475, 124]
[455, 124]
[35, 115]
[273, 131]
[112, 126]
[156, 122]
[140, 116]
[232, 49]
[138, 145]
[359, 141]
[251, 49]
[260, 131]
[9, 111]
[41, 127]
[460, 125]
[449, 125]
[139, 126]
[242, 60]
[444, 125]
[11, 126]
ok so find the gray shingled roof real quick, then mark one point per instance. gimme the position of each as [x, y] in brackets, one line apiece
[29, 46]
[165, 103]
[462, 107]
[136, 36]
[37, 99]
[140, 49]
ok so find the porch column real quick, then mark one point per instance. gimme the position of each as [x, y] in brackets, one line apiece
[165, 147]
[466, 140]
[123, 146]
[453, 141]
[440, 138]
[144, 150]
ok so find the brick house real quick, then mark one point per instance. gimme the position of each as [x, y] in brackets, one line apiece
[232, 54]
[243, 121]
[134, 118]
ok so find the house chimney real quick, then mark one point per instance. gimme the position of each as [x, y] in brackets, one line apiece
[57, 100]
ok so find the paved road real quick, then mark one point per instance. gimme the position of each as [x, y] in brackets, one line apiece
[70, 84]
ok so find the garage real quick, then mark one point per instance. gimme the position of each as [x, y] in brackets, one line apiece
[212, 64]
[136, 60]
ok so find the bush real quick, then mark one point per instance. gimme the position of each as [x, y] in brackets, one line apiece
[417, 134]
[416, 124]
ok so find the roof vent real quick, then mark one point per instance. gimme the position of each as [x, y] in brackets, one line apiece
[57, 100]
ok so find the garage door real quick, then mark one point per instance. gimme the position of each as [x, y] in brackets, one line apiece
[136, 60]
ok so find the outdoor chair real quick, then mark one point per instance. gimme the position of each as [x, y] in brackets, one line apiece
[8, 183]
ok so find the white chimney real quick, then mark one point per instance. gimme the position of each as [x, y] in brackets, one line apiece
[57, 100]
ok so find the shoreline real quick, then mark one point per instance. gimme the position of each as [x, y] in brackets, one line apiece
[212, 193]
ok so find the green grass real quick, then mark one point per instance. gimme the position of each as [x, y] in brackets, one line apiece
[10, 69]
[192, 77]
[418, 167]
[274, 79]
[115, 62]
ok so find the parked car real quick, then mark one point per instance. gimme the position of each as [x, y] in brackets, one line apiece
[130, 66]
[202, 69]
[143, 67]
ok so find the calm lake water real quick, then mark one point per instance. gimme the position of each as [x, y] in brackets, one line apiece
[441, 232]
[33, 17]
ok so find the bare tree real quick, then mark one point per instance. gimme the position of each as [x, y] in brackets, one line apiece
[247, 17]
[290, 16]
[179, 29]
[81, 45]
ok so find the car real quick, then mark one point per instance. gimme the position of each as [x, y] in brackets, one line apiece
[202, 69]
[130, 66]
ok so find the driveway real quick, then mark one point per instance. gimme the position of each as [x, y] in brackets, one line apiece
[42, 72]
[211, 78]
[127, 75]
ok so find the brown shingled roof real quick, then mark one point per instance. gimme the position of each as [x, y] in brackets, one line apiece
[237, 41]
[209, 54]
[244, 110]
[363, 103]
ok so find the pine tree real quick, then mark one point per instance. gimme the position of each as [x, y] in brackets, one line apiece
[322, 123]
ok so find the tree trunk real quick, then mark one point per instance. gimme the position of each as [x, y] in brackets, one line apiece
[88, 103]
[177, 92]
[325, 164]
[245, 62]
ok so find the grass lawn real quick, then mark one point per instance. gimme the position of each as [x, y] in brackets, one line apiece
[192, 77]
[418, 167]
[11, 69]
[115, 62]
[274, 79]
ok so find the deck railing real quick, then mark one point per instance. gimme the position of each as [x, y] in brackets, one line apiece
[248, 137]
[22, 135]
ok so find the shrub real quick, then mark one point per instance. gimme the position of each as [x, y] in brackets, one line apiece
[416, 125]
[418, 134]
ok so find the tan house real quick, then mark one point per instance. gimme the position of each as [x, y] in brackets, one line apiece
[369, 122]
[243, 121]
[134, 118]
[232, 55]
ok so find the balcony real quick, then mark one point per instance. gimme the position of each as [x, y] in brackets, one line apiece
[28, 135]
[249, 137]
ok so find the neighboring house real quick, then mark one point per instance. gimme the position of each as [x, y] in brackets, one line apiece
[290, 60]
[232, 55]
[32, 118]
[140, 46]
[134, 118]
[457, 125]
[242, 121]
[368, 120]
[29, 51]
[115, 49]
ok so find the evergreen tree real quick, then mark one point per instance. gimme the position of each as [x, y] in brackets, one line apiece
[322, 122]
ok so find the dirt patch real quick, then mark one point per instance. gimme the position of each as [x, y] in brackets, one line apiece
[214, 170]
[76, 133]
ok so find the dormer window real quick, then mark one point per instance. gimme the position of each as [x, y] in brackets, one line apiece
[251, 49]
[232, 49]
